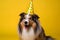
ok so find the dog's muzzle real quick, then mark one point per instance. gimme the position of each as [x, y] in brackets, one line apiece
[26, 23]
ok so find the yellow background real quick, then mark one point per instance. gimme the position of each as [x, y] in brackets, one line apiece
[48, 10]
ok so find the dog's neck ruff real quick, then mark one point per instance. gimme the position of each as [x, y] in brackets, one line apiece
[28, 35]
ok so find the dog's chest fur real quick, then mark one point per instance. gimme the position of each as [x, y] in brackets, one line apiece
[28, 35]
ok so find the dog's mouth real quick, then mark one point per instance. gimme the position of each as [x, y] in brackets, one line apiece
[27, 26]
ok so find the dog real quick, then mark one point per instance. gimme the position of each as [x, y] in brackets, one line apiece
[30, 28]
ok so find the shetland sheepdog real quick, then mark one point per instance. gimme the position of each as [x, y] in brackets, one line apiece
[30, 28]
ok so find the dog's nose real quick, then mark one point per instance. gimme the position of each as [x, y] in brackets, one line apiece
[26, 22]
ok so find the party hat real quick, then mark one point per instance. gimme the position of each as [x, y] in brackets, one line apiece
[30, 9]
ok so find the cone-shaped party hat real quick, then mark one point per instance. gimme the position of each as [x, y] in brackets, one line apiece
[30, 9]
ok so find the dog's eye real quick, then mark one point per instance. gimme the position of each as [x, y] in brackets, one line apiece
[23, 18]
[29, 18]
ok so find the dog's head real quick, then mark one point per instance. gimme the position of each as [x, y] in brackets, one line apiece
[27, 21]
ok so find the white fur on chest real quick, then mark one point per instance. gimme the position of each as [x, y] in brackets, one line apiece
[28, 35]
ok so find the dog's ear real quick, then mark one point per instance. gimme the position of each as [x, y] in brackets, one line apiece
[34, 16]
[22, 14]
